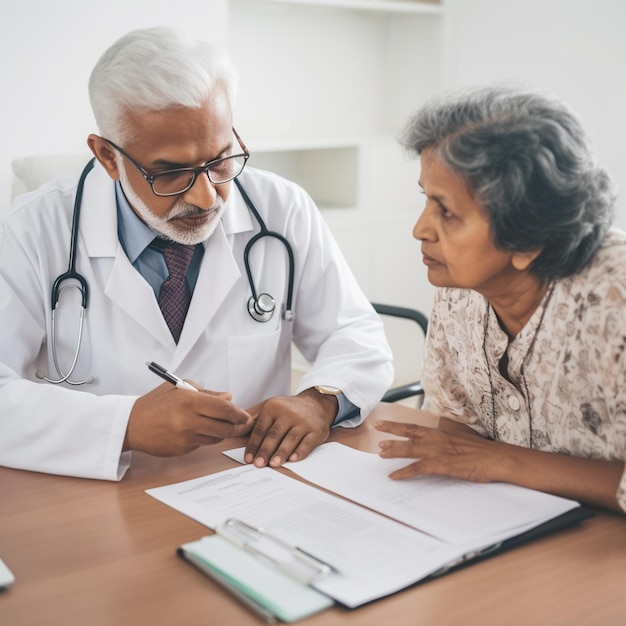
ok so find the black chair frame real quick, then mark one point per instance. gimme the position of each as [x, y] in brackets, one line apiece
[409, 389]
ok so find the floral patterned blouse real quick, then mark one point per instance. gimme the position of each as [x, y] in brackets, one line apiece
[566, 387]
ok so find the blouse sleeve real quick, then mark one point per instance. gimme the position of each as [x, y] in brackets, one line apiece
[444, 393]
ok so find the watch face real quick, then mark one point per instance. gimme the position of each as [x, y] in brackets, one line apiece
[327, 390]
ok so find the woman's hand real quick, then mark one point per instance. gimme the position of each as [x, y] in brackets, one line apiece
[455, 450]
[452, 449]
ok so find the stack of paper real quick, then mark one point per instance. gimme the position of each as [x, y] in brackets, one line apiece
[440, 521]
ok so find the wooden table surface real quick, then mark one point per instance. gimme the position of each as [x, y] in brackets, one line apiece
[101, 553]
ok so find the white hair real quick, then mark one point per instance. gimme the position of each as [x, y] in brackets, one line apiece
[154, 69]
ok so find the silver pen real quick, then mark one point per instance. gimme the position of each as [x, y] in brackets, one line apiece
[159, 370]
[306, 567]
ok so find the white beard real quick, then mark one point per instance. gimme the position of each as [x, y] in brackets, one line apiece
[163, 225]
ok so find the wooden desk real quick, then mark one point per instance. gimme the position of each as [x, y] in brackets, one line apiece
[100, 553]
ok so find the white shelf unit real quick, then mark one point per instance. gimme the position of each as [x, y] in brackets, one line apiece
[314, 72]
[392, 6]
[325, 89]
[328, 172]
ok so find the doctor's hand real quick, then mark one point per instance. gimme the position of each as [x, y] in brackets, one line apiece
[169, 421]
[288, 428]
[453, 449]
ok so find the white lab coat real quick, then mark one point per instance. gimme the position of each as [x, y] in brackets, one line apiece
[80, 430]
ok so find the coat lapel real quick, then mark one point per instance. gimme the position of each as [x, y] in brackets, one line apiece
[120, 281]
[218, 274]
[123, 284]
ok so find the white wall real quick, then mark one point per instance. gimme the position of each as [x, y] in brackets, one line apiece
[48, 49]
[576, 49]
[322, 72]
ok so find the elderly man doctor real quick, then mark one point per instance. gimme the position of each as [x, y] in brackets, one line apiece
[166, 157]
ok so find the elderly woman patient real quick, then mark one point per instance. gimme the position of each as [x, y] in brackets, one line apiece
[526, 351]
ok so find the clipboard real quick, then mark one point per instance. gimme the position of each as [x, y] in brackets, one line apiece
[271, 578]
[569, 518]
[274, 592]
[316, 520]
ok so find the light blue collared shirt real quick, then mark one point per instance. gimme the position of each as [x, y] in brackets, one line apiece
[135, 237]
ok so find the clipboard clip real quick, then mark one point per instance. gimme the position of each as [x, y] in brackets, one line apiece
[465, 558]
[291, 559]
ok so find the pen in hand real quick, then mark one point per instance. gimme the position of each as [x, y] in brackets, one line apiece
[159, 370]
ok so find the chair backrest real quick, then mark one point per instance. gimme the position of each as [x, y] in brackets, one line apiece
[33, 171]
[395, 318]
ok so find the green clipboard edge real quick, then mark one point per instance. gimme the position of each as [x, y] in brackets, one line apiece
[267, 608]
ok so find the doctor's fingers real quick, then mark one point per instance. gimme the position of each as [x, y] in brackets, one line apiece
[295, 445]
[219, 394]
[290, 438]
[217, 406]
[255, 410]
[208, 430]
[264, 439]
[205, 416]
[268, 435]
[307, 444]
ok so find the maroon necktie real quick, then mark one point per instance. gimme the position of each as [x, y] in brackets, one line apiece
[174, 297]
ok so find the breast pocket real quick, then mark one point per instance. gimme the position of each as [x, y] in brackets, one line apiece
[259, 367]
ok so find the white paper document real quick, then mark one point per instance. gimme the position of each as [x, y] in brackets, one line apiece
[458, 511]
[373, 556]
[440, 520]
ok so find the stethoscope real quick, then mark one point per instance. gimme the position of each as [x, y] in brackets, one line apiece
[62, 282]
[260, 306]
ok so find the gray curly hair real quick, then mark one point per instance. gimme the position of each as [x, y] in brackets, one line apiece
[526, 160]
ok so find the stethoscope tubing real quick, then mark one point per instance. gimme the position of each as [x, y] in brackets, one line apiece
[71, 273]
[265, 232]
[83, 285]
[60, 283]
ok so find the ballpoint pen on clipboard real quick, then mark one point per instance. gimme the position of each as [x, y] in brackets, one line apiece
[291, 559]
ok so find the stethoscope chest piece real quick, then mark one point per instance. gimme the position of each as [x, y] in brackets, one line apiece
[262, 308]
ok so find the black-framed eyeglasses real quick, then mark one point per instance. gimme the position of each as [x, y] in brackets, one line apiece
[177, 181]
